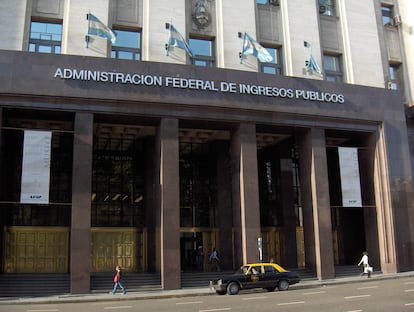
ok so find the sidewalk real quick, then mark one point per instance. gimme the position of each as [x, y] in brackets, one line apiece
[185, 292]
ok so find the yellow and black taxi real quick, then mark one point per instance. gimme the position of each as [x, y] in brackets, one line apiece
[268, 276]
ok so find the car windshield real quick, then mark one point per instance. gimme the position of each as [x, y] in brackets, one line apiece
[243, 269]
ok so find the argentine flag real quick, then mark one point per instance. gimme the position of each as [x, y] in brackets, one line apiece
[97, 28]
[313, 66]
[251, 46]
[176, 40]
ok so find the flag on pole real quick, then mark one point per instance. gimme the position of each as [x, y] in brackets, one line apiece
[251, 46]
[311, 64]
[176, 40]
[97, 28]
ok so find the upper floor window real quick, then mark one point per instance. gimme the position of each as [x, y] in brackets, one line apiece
[332, 68]
[387, 13]
[127, 45]
[274, 67]
[327, 7]
[45, 37]
[203, 52]
[272, 2]
[394, 81]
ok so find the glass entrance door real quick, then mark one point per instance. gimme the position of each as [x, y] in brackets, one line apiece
[196, 245]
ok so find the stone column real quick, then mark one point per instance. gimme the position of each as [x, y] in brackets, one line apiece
[3, 180]
[366, 157]
[224, 208]
[385, 216]
[316, 205]
[168, 224]
[80, 234]
[246, 207]
[151, 202]
[289, 215]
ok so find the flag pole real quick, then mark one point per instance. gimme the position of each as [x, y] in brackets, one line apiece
[241, 53]
[89, 25]
[167, 45]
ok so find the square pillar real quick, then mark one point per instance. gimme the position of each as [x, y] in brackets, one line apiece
[246, 207]
[168, 221]
[224, 208]
[316, 203]
[80, 234]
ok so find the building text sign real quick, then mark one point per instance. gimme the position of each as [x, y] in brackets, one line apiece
[196, 84]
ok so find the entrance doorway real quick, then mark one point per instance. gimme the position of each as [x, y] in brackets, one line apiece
[196, 245]
[353, 234]
[192, 252]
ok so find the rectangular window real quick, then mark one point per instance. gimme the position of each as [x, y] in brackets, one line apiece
[272, 2]
[203, 52]
[394, 78]
[275, 67]
[127, 45]
[327, 7]
[332, 68]
[45, 37]
[387, 15]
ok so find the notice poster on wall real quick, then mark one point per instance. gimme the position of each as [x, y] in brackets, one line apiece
[350, 180]
[36, 167]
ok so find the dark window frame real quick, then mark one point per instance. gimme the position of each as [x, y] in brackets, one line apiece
[277, 64]
[54, 45]
[209, 60]
[136, 52]
[337, 75]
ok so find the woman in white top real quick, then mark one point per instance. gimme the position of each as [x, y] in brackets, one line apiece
[365, 263]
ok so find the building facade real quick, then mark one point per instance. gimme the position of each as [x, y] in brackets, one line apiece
[151, 150]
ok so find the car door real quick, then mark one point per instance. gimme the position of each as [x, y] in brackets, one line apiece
[271, 276]
[256, 277]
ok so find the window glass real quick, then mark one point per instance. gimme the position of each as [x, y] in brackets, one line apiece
[387, 15]
[127, 39]
[269, 269]
[127, 45]
[262, 1]
[203, 51]
[45, 37]
[274, 67]
[331, 63]
[200, 47]
[332, 67]
[327, 7]
[394, 77]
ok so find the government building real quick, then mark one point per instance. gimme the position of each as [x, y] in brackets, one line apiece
[146, 133]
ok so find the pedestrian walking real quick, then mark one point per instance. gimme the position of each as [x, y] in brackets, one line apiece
[118, 281]
[214, 259]
[365, 263]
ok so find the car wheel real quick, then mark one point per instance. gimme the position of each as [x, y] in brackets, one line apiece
[270, 289]
[220, 292]
[283, 285]
[233, 288]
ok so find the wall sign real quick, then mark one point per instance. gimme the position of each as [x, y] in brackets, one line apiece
[148, 80]
[36, 167]
[350, 181]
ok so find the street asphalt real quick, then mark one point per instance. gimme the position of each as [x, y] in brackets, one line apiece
[184, 292]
